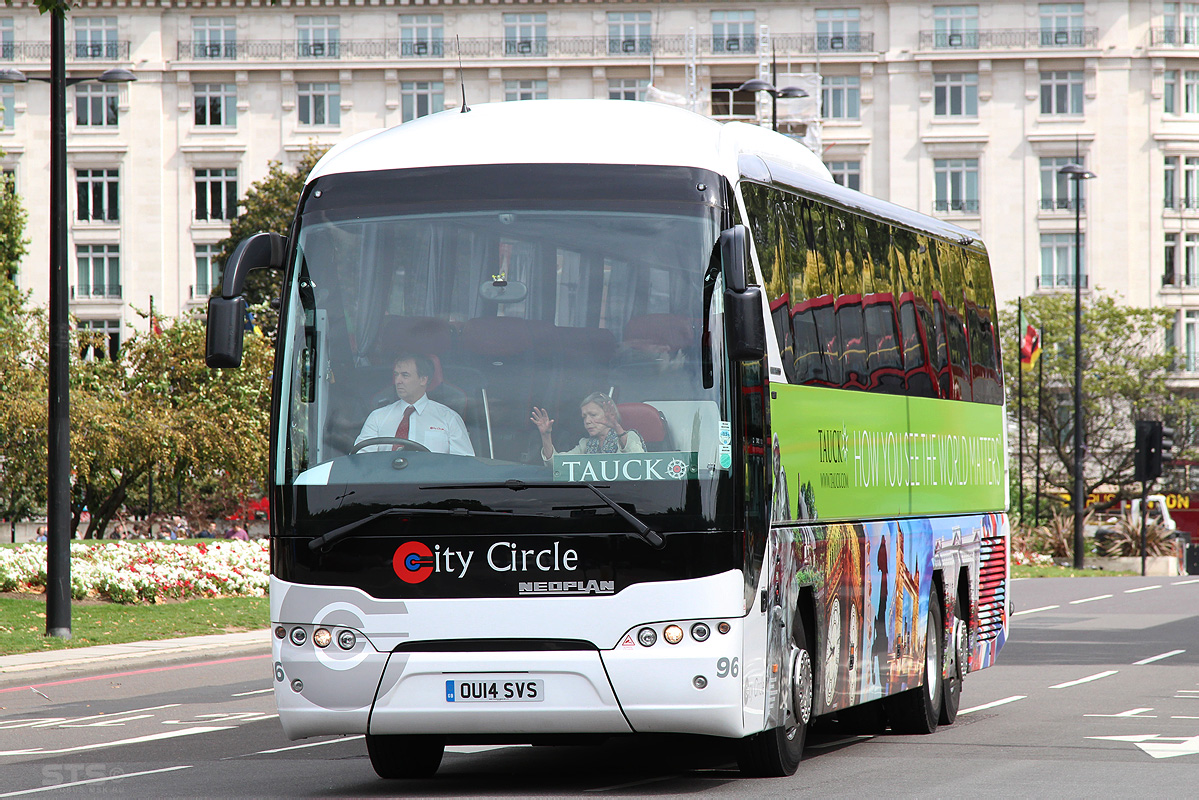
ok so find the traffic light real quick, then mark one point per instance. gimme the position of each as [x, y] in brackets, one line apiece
[1154, 443]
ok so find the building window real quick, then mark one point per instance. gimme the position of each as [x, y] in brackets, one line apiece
[629, 32]
[318, 37]
[214, 37]
[728, 102]
[1181, 23]
[96, 105]
[838, 29]
[1170, 260]
[1180, 182]
[96, 192]
[7, 48]
[1190, 261]
[100, 338]
[319, 103]
[99, 271]
[216, 104]
[1057, 261]
[96, 37]
[627, 88]
[955, 94]
[421, 35]
[421, 98]
[1061, 92]
[208, 270]
[1188, 346]
[1170, 91]
[524, 34]
[955, 26]
[840, 97]
[8, 99]
[733, 32]
[8, 182]
[957, 184]
[1056, 190]
[216, 194]
[1061, 24]
[526, 90]
[847, 173]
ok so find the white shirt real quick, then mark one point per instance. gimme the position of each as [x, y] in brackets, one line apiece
[433, 424]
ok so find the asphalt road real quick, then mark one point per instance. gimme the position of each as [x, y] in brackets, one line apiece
[1096, 695]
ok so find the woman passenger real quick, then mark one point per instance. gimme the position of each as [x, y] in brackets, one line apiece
[601, 419]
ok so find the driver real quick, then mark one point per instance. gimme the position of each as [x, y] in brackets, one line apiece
[415, 417]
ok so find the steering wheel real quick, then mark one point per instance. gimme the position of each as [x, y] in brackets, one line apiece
[394, 441]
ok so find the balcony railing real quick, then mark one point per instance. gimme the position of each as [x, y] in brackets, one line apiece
[1049, 282]
[959, 206]
[507, 47]
[1174, 37]
[1181, 203]
[40, 51]
[1009, 39]
[96, 291]
[1062, 204]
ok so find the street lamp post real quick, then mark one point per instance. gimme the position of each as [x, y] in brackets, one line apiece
[1078, 174]
[787, 92]
[58, 428]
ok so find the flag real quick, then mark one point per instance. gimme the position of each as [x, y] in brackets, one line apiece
[1030, 345]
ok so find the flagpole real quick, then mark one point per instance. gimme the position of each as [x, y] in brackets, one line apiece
[1040, 389]
[1020, 399]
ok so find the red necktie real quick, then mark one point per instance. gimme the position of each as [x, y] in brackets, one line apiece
[402, 431]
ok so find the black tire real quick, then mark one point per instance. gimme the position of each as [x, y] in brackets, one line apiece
[776, 753]
[951, 690]
[395, 757]
[918, 710]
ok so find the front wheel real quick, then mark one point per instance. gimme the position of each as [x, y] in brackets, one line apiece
[776, 753]
[918, 710]
[400, 756]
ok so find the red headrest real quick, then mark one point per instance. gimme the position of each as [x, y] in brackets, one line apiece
[643, 418]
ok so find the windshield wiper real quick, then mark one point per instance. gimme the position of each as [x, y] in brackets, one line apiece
[345, 530]
[644, 532]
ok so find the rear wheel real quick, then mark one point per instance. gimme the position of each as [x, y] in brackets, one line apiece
[951, 691]
[776, 753]
[405, 756]
[918, 710]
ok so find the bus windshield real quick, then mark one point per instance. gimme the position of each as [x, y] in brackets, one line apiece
[450, 329]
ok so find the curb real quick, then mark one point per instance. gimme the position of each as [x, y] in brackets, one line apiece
[45, 666]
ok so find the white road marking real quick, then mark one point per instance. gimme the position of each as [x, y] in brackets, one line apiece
[256, 691]
[1159, 746]
[847, 740]
[1142, 589]
[1087, 679]
[1136, 712]
[1184, 583]
[993, 704]
[1033, 611]
[56, 786]
[1151, 659]
[37, 751]
[309, 744]
[45, 722]
[619, 786]
[1089, 599]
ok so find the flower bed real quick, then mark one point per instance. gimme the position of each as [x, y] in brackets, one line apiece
[131, 572]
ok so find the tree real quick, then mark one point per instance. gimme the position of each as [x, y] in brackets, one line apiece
[1126, 376]
[269, 205]
[23, 412]
[159, 404]
[12, 231]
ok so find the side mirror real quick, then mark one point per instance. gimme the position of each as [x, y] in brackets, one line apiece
[227, 313]
[226, 332]
[744, 322]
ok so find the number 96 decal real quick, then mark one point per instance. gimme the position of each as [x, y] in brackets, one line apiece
[725, 667]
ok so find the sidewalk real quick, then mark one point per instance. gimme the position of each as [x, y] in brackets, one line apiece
[46, 666]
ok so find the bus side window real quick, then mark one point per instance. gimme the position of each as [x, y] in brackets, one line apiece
[884, 359]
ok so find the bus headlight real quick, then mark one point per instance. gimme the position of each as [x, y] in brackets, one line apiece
[346, 640]
[647, 637]
[298, 636]
[321, 637]
[673, 634]
[700, 632]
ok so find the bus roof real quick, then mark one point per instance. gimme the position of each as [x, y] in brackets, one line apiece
[564, 132]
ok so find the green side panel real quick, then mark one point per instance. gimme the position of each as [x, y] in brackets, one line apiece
[856, 455]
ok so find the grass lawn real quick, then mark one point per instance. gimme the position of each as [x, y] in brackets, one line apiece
[23, 621]
[1020, 571]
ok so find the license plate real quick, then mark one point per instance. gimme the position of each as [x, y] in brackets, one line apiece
[494, 691]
